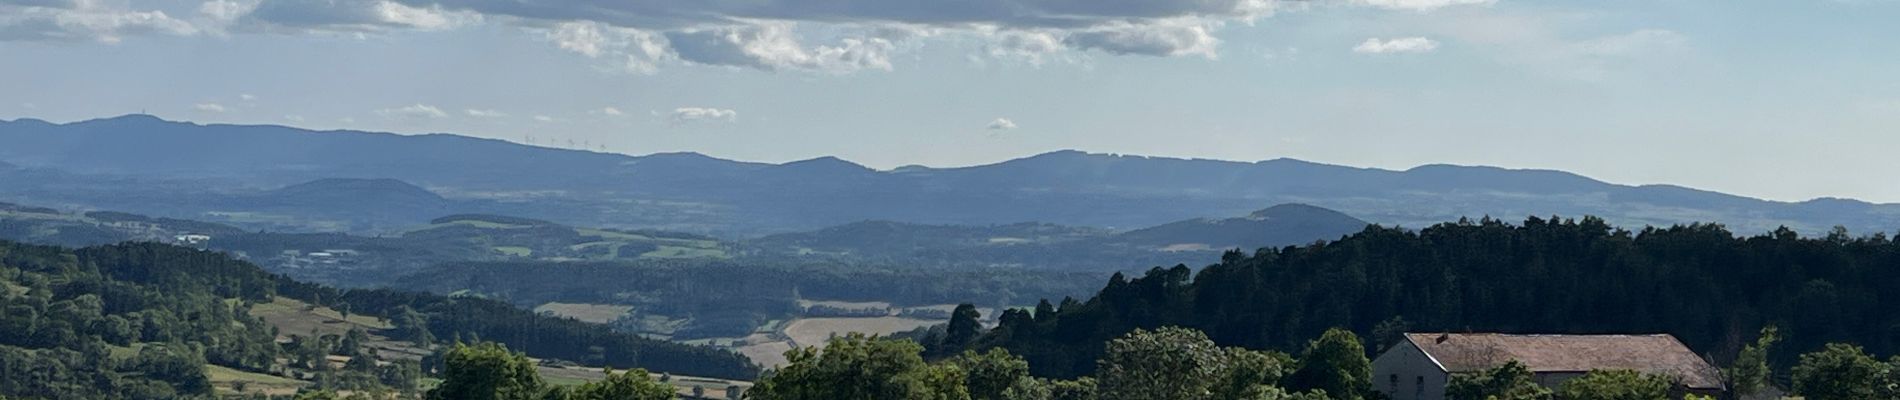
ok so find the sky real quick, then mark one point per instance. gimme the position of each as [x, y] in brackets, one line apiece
[1778, 99]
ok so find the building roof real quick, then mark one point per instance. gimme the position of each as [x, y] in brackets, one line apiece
[1659, 354]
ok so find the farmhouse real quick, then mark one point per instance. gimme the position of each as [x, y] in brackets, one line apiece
[1418, 367]
[192, 239]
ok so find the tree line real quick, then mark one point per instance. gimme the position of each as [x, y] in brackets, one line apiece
[732, 298]
[1701, 283]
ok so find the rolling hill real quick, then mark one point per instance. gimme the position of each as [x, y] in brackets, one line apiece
[1049, 246]
[178, 169]
[1281, 225]
[356, 260]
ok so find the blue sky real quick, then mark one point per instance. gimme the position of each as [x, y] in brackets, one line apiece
[1781, 99]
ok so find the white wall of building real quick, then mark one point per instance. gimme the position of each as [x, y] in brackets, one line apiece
[1406, 373]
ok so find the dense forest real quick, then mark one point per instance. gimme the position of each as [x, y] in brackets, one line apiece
[1701, 283]
[143, 320]
[68, 312]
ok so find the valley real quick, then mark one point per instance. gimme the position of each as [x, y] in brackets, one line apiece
[949, 200]
[690, 275]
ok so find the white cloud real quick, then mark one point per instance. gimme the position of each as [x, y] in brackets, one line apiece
[1178, 37]
[1031, 46]
[225, 11]
[350, 16]
[247, 97]
[413, 111]
[693, 114]
[209, 107]
[846, 35]
[543, 118]
[1420, 5]
[773, 46]
[609, 111]
[293, 118]
[1001, 124]
[1396, 45]
[837, 36]
[83, 20]
[637, 51]
[484, 113]
[580, 37]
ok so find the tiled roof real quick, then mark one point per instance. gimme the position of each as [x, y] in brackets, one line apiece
[1655, 354]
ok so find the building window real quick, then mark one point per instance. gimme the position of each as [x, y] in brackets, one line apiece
[1394, 385]
[1419, 392]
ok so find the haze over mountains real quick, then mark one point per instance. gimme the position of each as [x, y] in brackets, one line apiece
[274, 177]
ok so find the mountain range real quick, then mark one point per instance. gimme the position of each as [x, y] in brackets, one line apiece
[260, 177]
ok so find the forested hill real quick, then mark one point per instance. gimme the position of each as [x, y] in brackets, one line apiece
[141, 164]
[1701, 283]
[68, 313]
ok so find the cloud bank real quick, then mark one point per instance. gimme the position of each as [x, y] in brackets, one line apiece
[640, 36]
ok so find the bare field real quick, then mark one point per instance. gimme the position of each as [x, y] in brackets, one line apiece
[595, 313]
[768, 354]
[815, 331]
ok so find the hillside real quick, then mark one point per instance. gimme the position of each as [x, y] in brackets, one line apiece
[1050, 246]
[159, 321]
[888, 239]
[1701, 283]
[1281, 225]
[43, 225]
[140, 163]
[363, 261]
[699, 299]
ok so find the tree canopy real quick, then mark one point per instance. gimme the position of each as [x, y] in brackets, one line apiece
[1699, 283]
[1511, 381]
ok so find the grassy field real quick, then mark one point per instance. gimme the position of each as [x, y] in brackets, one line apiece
[12, 289]
[595, 313]
[468, 222]
[844, 304]
[258, 218]
[298, 318]
[669, 251]
[292, 317]
[516, 251]
[528, 241]
[227, 380]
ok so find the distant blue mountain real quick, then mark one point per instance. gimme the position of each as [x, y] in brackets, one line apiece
[1281, 225]
[183, 169]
